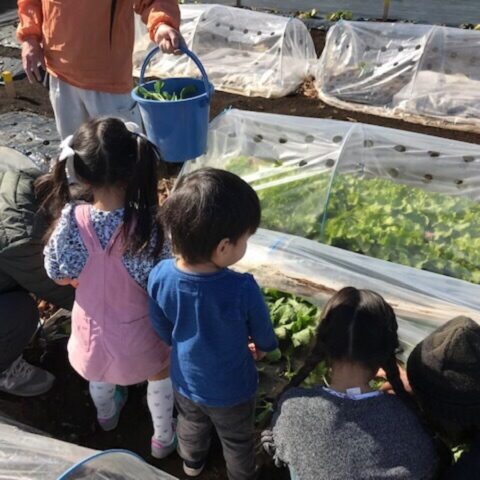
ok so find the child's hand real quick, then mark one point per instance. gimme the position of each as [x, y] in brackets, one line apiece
[256, 354]
[67, 281]
[387, 387]
[268, 444]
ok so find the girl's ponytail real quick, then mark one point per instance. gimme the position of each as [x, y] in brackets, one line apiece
[141, 200]
[52, 194]
[316, 355]
[393, 377]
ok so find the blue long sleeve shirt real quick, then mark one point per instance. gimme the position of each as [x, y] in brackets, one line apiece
[208, 320]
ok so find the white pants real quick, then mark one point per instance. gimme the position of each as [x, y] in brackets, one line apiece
[73, 106]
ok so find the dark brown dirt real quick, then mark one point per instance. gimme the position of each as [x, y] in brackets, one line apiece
[67, 412]
[34, 98]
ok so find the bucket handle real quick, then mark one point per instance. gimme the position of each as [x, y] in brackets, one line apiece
[182, 47]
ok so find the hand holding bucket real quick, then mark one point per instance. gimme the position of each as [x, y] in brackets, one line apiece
[179, 128]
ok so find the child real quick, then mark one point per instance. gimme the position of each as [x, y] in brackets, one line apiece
[106, 250]
[209, 314]
[348, 430]
[444, 374]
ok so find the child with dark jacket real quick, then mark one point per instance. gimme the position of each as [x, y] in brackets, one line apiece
[444, 375]
[210, 314]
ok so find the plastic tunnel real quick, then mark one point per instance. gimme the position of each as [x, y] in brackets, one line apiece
[25, 455]
[245, 52]
[420, 73]
[390, 210]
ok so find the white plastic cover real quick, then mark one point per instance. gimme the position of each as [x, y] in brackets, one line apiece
[397, 196]
[245, 52]
[422, 300]
[421, 73]
[25, 456]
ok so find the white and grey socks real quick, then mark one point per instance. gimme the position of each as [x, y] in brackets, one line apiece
[103, 397]
[160, 404]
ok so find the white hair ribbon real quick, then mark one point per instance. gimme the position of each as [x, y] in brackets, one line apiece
[67, 153]
[136, 129]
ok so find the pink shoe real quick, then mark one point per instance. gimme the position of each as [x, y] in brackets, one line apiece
[107, 424]
[159, 450]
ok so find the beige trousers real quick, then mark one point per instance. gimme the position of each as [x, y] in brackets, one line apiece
[73, 106]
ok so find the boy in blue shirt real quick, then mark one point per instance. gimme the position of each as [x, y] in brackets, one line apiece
[209, 314]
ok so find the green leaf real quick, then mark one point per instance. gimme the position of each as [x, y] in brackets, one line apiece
[274, 356]
[187, 91]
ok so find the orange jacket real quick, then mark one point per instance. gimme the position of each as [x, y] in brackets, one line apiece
[89, 43]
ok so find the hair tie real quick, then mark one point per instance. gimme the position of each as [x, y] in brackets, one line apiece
[67, 153]
[134, 128]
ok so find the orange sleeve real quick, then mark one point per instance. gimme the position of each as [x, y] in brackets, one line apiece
[31, 19]
[154, 12]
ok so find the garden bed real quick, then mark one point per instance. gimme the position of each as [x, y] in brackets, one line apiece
[34, 98]
[67, 412]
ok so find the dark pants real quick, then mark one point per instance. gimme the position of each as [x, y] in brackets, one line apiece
[18, 322]
[234, 426]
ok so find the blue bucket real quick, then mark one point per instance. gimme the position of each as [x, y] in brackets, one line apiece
[179, 128]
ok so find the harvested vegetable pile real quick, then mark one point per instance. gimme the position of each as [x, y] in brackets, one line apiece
[373, 216]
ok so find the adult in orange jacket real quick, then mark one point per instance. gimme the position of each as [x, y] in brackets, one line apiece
[86, 46]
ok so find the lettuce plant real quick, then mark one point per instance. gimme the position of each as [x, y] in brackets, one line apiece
[378, 217]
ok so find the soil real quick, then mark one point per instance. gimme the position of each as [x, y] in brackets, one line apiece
[34, 98]
[66, 412]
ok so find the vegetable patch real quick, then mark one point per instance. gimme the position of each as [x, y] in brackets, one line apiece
[377, 217]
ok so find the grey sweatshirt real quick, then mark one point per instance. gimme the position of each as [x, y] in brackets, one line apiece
[323, 437]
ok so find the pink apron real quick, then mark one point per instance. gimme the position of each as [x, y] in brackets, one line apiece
[112, 339]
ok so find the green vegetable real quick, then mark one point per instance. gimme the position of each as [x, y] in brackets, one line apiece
[294, 320]
[274, 356]
[377, 217]
[160, 95]
[340, 15]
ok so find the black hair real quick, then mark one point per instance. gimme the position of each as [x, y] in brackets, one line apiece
[357, 326]
[207, 206]
[107, 154]
[361, 327]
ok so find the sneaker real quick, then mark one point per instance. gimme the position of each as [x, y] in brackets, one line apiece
[25, 380]
[193, 469]
[120, 398]
[159, 450]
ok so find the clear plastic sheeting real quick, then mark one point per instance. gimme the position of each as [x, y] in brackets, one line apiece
[245, 52]
[8, 36]
[420, 73]
[13, 65]
[397, 196]
[25, 456]
[35, 136]
[422, 300]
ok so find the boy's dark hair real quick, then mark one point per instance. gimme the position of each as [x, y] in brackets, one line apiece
[108, 154]
[207, 206]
